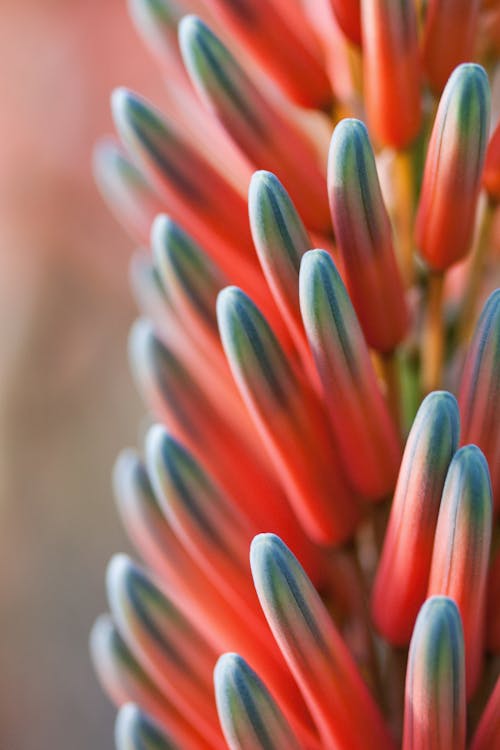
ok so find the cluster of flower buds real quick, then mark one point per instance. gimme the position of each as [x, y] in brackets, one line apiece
[317, 514]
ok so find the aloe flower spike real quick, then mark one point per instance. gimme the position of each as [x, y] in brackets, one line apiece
[461, 550]
[435, 708]
[358, 413]
[315, 653]
[402, 577]
[289, 419]
[364, 237]
[134, 730]
[249, 716]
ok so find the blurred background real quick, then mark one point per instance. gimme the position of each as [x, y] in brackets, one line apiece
[67, 404]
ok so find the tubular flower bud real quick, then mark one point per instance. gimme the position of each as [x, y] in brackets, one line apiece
[164, 642]
[359, 416]
[125, 190]
[134, 730]
[364, 236]
[479, 388]
[319, 660]
[455, 21]
[250, 118]
[124, 680]
[403, 573]
[461, 550]
[288, 417]
[287, 52]
[453, 168]
[348, 15]
[391, 71]
[435, 708]
[249, 716]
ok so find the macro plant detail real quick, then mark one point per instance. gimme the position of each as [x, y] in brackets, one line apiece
[316, 505]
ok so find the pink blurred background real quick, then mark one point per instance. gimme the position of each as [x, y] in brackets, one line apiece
[67, 404]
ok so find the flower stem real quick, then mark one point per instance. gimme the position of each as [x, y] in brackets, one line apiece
[404, 182]
[389, 370]
[433, 334]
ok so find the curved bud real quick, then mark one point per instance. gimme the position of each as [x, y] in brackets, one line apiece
[391, 71]
[364, 237]
[366, 436]
[249, 716]
[478, 397]
[281, 240]
[316, 655]
[289, 419]
[157, 22]
[264, 134]
[492, 608]
[288, 53]
[402, 576]
[134, 730]
[435, 707]
[194, 193]
[487, 734]
[461, 550]
[124, 680]
[453, 168]
[127, 193]
[165, 643]
[348, 15]
[448, 40]
[214, 530]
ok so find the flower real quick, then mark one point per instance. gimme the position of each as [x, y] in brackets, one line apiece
[316, 513]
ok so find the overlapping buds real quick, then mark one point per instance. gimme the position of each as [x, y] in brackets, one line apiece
[320, 542]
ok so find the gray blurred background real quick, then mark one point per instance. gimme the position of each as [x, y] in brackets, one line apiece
[67, 404]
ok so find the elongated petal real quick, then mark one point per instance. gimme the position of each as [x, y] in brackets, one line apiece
[288, 417]
[314, 651]
[348, 15]
[134, 730]
[403, 573]
[453, 167]
[169, 648]
[492, 605]
[358, 414]
[448, 40]
[461, 550]
[435, 708]
[249, 716]
[487, 734]
[281, 240]
[364, 237]
[267, 137]
[128, 194]
[479, 396]
[391, 71]
[267, 34]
